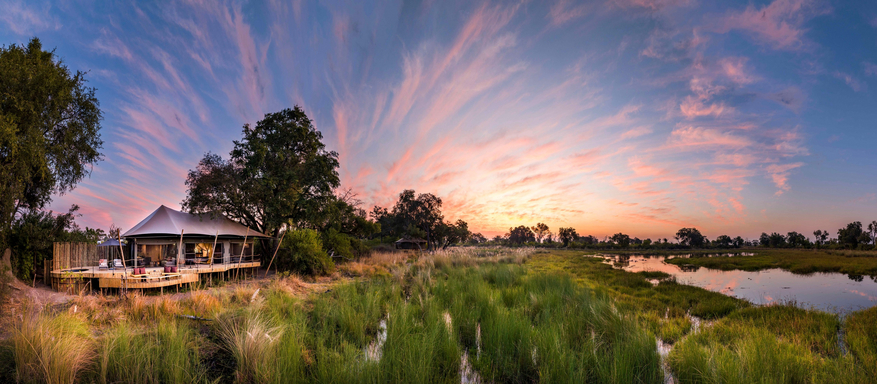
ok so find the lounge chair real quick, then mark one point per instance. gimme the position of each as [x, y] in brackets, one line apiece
[102, 264]
[117, 263]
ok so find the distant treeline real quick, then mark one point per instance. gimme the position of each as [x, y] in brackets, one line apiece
[853, 236]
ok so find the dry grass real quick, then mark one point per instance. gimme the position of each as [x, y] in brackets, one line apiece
[203, 303]
[51, 349]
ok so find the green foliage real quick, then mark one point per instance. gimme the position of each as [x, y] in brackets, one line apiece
[621, 239]
[49, 129]
[280, 169]
[302, 252]
[338, 243]
[567, 235]
[32, 236]
[851, 235]
[420, 216]
[690, 237]
[520, 235]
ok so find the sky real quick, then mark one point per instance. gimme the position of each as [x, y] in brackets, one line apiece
[633, 116]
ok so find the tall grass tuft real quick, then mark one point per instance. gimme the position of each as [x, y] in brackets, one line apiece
[50, 349]
[253, 341]
[168, 352]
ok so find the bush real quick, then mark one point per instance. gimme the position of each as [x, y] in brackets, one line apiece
[302, 252]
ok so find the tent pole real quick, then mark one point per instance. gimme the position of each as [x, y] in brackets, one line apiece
[180, 249]
[275, 253]
[243, 247]
[213, 250]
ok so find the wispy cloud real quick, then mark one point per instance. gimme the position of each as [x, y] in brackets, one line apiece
[851, 81]
[779, 24]
[27, 17]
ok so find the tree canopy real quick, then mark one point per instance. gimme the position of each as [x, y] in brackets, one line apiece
[690, 237]
[280, 173]
[420, 216]
[49, 129]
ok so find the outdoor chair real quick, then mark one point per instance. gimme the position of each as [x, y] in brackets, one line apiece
[117, 263]
[102, 264]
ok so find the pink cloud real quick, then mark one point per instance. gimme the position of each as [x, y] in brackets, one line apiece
[779, 23]
[636, 132]
[852, 82]
[702, 138]
[779, 173]
[692, 107]
[735, 69]
[564, 11]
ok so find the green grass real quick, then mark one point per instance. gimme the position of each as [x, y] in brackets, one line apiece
[774, 344]
[800, 261]
[547, 316]
[861, 338]
[663, 307]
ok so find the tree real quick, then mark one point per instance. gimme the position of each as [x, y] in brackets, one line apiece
[821, 237]
[567, 235]
[540, 230]
[280, 173]
[872, 227]
[621, 239]
[690, 237]
[738, 242]
[796, 240]
[776, 240]
[49, 129]
[647, 242]
[477, 238]
[764, 240]
[33, 233]
[851, 235]
[521, 235]
[724, 241]
[448, 234]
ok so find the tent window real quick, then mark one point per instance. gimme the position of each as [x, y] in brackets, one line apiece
[236, 249]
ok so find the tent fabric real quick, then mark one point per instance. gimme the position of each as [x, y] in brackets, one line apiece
[110, 243]
[168, 222]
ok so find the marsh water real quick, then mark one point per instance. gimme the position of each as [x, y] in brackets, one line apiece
[831, 292]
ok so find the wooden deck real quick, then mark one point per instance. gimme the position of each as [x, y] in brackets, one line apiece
[78, 278]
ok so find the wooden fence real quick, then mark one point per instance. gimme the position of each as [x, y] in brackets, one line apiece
[74, 255]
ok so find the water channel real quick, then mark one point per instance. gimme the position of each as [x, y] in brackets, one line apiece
[830, 292]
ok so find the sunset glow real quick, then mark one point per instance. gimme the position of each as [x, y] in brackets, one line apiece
[634, 116]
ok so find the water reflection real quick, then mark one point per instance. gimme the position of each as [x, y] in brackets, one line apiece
[832, 292]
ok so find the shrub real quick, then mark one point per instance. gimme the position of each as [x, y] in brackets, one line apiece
[302, 252]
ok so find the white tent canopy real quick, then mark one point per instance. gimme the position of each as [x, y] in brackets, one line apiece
[168, 222]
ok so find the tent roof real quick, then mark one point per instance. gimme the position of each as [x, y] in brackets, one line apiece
[109, 243]
[168, 222]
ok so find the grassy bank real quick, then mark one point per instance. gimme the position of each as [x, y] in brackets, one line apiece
[467, 315]
[435, 319]
[794, 260]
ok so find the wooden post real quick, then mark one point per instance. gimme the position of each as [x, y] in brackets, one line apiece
[243, 247]
[213, 250]
[180, 251]
[122, 252]
[275, 252]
